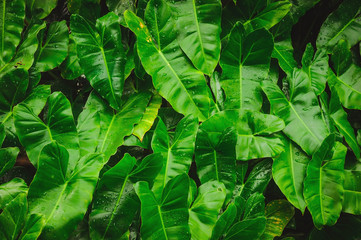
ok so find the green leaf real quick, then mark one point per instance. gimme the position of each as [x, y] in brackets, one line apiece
[257, 180]
[174, 77]
[13, 85]
[278, 214]
[315, 65]
[10, 190]
[7, 158]
[115, 202]
[245, 63]
[36, 100]
[254, 132]
[269, 16]
[58, 194]
[177, 153]
[24, 56]
[298, 111]
[11, 24]
[323, 186]
[344, 23]
[283, 52]
[352, 191]
[215, 156]
[341, 57]
[347, 86]
[215, 83]
[41, 9]
[289, 171]
[224, 222]
[113, 126]
[53, 49]
[339, 117]
[253, 207]
[150, 114]
[247, 229]
[101, 55]
[88, 130]
[59, 126]
[253, 14]
[12, 218]
[205, 209]
[33, 227]
[167, 218]
[199, 25]
[120, 6]
[70, 68]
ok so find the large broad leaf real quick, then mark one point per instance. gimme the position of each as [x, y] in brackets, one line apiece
[7, 158]
[247, 229]
[120, 6]
[352, 191]
[150, 114]
[224, 221]
[101, 55]
[113, 126]
[13, 85]
[115, 202]
[11, 24]
[344, 23]
[10, 190]
[283, 52]
[348, 227]
[204, 212]
[254, 132]
[59, 126]
[12, 217]
[348, 86]
[59, 195]
[199, 25]
[33, 227]
[253, 14]
[24, 56]
[70, 68]
[341, 57]
[245, 63]
[257, 180]
[183, 86]
[315, 65]
[323, 186]
[167, 218]
[52, 50]
[339, 117]
[278, 214]
[41, 9]
[215, 156]
[289, 171]
[177, 153]
[299, 111]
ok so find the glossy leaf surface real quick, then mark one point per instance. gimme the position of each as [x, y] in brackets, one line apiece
[199, 24]
[297, 111]
[289, 172]
[101, 55]
[245, 63]
[177, 153]
[167, 218]
[58, 194]
[115, 202]
[173, 76]
[323, 186]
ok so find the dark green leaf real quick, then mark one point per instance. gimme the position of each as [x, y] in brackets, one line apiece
[101, 55]
[323, 186]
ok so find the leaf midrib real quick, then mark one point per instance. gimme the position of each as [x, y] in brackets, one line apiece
[116, 206]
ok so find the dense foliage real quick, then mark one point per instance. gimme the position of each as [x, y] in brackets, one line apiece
[180, 119]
